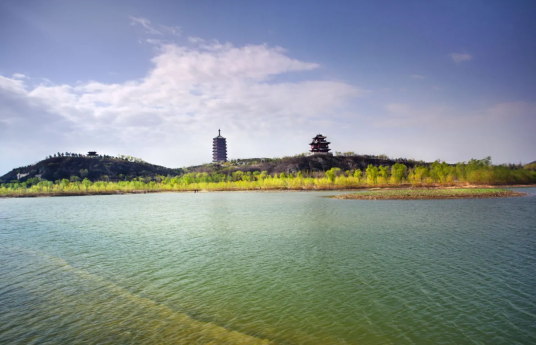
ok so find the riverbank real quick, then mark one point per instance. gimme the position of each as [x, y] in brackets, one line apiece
[403, 191]
[437, 193]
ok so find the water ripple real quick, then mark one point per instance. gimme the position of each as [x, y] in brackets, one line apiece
[286, 268]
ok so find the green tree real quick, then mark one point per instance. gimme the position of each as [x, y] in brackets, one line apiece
[237, 175]
[398, 172]
[64, 183]
[418, 174]
[384, 172]
[86, 183]
[440, 171]
[372, 174]
[331, 174]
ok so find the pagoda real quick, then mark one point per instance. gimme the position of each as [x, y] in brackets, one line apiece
[219, 149]
[319, 145]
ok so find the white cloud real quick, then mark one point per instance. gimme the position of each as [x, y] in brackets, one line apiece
[13, 85]
[176, 108]
[18, 76]
[196, 40]
[146, 23]
[156, 41]
[155, 30]
[459, 57]
[172, 30]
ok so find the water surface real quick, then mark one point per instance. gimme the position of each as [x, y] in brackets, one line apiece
[254, 268]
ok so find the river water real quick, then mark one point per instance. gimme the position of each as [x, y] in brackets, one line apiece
[259, 268]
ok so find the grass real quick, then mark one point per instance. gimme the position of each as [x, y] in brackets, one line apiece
[439, 193]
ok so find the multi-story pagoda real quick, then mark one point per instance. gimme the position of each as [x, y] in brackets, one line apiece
[320, 145]
[219, 149]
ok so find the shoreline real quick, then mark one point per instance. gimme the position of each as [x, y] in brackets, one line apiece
[364, 188]
[435, 194]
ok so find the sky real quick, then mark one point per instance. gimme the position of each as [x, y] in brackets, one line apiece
[428, 80]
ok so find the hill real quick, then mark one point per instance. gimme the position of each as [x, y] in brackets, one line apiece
[301, 163]
[125, 168]
[530, 166]
[94, 168]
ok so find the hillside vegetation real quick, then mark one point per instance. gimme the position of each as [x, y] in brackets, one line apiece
[531, 166]
[297, 173]
[76, 167]
[107, 168]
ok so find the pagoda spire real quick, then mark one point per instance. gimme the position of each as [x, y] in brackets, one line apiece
[219, 148]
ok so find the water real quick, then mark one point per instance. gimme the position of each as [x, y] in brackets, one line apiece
[259, 268]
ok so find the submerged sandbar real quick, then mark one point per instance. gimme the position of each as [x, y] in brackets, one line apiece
[435, 193]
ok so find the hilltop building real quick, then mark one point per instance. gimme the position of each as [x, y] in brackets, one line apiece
[320, 145]
[219, 149]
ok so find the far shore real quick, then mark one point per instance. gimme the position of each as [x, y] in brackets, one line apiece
[427, 194]
[384, 189]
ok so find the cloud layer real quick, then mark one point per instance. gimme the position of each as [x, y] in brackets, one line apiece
[190, 92]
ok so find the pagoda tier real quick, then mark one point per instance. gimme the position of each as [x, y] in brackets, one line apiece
[319, 145]
[219, 149]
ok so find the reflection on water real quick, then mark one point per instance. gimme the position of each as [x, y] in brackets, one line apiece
[259, 268]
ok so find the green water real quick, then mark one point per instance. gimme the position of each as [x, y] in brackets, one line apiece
[258, 268]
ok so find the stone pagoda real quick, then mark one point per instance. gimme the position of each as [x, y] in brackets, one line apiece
[319, 145]
[219, 149]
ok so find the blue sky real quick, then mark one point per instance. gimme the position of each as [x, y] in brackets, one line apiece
[449, 80]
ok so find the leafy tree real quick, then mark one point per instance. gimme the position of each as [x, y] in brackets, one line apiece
[331, 174]
[32, 181]
[440, 171]
[64, 183]
[86, 183]
[237, 175]
[372, 174]
[398, 172]
[418, 174]
[384, 172]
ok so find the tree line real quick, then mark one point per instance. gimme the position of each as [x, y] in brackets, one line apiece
[72, 154]
[475, 172]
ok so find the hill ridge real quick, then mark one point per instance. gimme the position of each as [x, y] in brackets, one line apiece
[120, 168]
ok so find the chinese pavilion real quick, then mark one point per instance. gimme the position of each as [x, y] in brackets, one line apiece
[219, 149]
[319, 145]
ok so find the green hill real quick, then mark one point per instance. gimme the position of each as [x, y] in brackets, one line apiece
[110, 168]
[94, 168]
[530, 166]
[301, 163]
